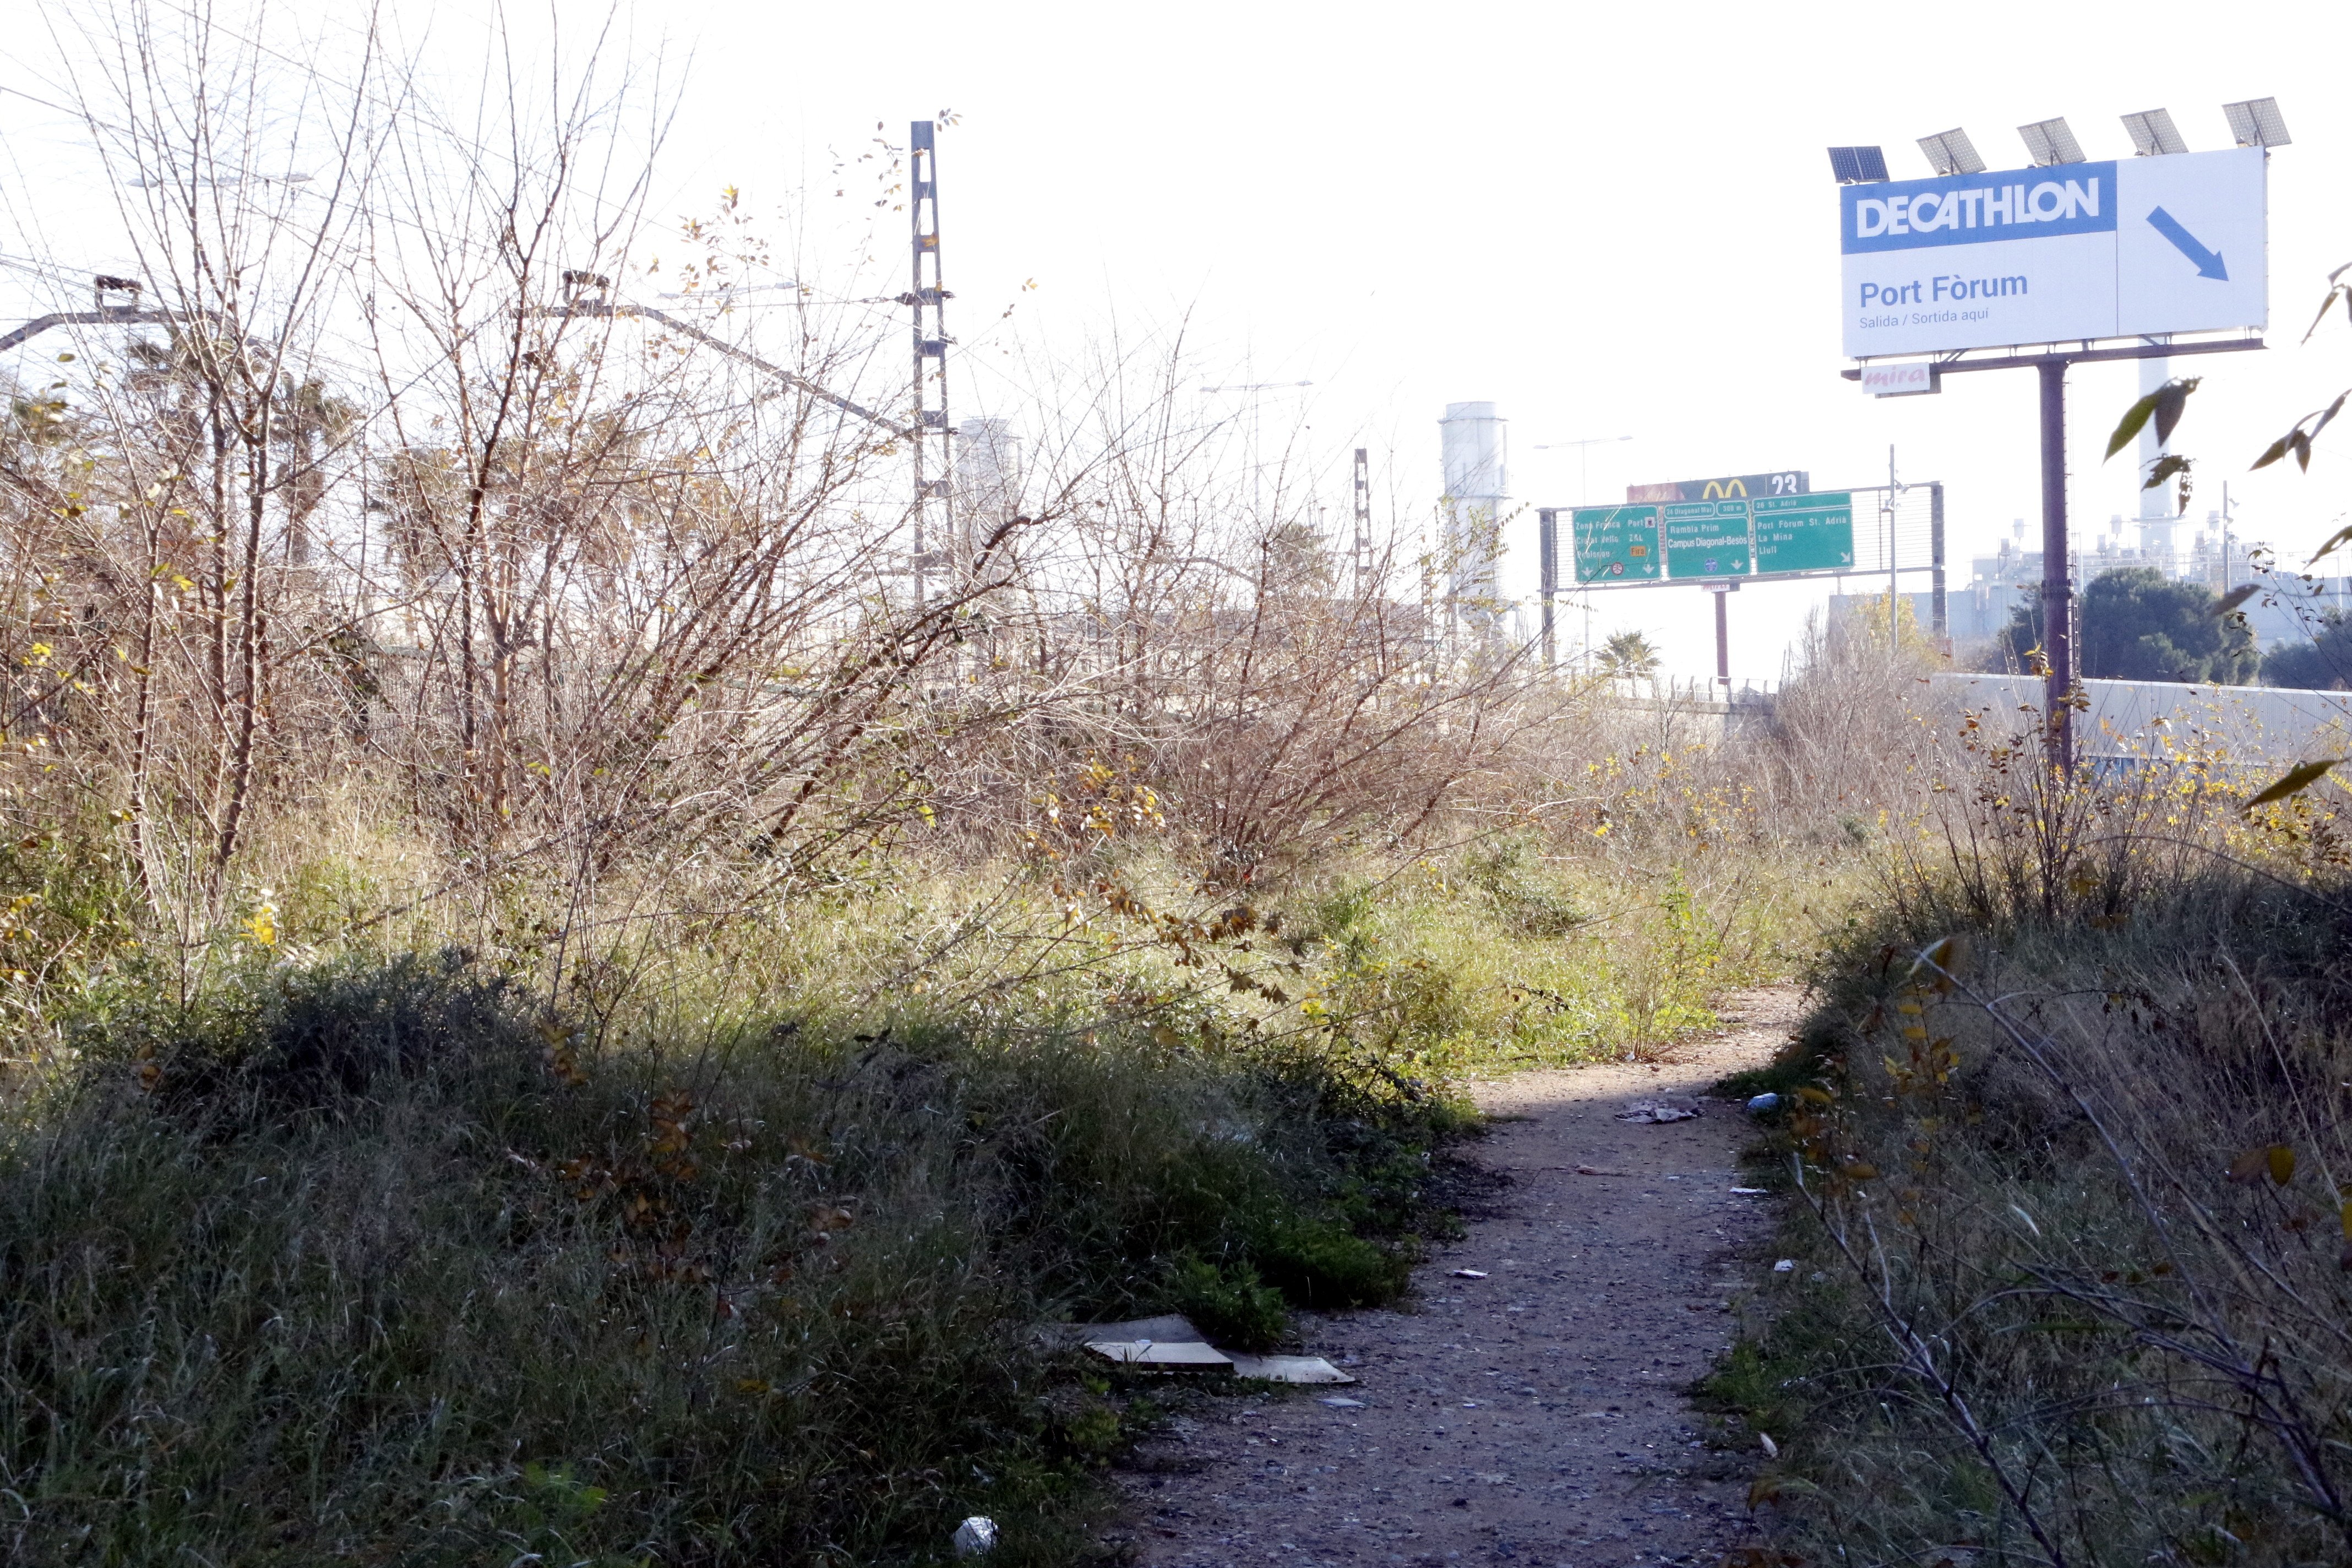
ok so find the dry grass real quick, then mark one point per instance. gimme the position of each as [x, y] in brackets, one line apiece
[2072, 1186]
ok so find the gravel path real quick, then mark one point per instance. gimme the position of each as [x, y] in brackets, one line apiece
[1534, 1415]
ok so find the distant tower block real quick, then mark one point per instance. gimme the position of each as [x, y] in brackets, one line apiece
[1475, 489]
[988, 473]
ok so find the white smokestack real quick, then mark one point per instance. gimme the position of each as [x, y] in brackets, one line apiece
[1476, 488]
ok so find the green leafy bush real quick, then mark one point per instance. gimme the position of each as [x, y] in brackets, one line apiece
[1230, 1304]
[1321, 1264]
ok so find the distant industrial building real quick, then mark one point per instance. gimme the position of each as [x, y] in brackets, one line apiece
[2285, 612]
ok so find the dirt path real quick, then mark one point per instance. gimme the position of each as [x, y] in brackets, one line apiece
[1531, 1417]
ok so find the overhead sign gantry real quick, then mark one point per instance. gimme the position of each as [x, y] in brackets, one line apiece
[1723, 533]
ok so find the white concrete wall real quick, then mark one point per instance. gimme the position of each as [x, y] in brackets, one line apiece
[2143, 718]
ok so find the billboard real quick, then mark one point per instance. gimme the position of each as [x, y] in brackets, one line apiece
[1788, 482]
[1714, 539]
[2067, 252]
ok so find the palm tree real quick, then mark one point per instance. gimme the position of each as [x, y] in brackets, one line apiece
[310, 421]
[1628, 655]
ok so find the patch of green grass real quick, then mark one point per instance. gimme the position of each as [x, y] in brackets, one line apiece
[377, 1259]
[1230, 1304]
[1320, 1263]
[1509, 958]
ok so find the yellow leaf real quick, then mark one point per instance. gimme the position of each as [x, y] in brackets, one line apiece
[2295, 780]
[2281, 1164]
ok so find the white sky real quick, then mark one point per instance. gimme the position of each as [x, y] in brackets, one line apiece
[1609, 220]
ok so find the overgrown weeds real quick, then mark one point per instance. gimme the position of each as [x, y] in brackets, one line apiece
[362, 1260]
[2071, 1216]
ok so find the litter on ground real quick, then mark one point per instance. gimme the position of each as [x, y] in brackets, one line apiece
[1172, 1327]
[1288, 1369]
[1341, 1402]
[1468, 1273]
[1163, 1355]
[1171, 1343]
[1646, 1111]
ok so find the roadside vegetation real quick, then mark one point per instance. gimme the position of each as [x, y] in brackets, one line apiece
[583, 968]
[2139, 624]
[2063, 1142]
[565, 996]
[2066, 1257]
[333, 1232]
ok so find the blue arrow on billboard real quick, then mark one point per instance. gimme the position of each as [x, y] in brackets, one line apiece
[2207, 262]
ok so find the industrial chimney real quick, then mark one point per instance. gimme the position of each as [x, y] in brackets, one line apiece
[1475, 487]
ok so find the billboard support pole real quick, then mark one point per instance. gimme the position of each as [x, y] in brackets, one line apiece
[2057, 585]
[2057, 582]
[1938, 607]
[1547, 567]
[1723, 591]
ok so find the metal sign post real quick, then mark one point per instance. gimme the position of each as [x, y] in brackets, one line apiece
[1723, 591]
[2068, 251]
[1548, 568]
[2057, 574]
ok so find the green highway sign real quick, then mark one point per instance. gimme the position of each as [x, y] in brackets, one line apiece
[1804, 533]
[1706, 539]
[1616, 543]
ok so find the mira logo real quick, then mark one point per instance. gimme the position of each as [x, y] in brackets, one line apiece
[1968, 209]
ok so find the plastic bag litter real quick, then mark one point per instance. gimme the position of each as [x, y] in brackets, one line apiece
[976, 1537]
[1764, 1105]
[1648, 1111]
